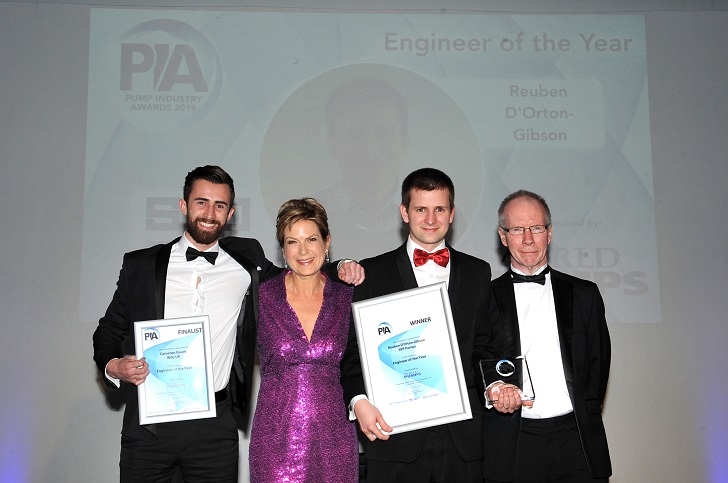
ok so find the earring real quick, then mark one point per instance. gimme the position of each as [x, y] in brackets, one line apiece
[285, 262]
[327, 256]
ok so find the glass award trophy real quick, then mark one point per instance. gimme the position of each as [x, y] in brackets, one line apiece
[513, 370]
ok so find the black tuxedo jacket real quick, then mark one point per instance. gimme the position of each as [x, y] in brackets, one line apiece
[467, 288]
[585, 352]
[140, 296]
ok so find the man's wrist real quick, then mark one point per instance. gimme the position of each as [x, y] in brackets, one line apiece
[354, 400]
[113, 380]
[489, 402]
[341, 262]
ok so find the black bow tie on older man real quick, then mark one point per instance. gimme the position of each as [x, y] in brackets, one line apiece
[193, 253]
[441, 257]
[540, 278]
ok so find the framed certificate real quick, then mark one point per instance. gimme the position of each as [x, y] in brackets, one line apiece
[179, 385]
[410, 358]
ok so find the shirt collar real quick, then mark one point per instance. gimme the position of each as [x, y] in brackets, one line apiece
[411, 245]
[184, 243]
[540, 269]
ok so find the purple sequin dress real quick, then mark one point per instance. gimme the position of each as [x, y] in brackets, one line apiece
[301, 432]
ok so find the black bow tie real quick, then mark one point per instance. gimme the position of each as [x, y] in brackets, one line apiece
[193, 253]
[540, 278]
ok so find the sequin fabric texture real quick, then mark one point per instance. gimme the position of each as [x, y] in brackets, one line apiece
[301, 432]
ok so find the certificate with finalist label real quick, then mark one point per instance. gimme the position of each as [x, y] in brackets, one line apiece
[410, 358]
[179, 385]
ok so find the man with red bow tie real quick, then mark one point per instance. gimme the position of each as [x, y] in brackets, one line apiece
[449, 452]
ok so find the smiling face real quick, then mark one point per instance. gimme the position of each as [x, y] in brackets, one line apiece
[429, 216]
[528, 251]
[207, 211]
[304, 248]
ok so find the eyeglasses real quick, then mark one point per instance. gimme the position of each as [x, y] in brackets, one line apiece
[520, 230]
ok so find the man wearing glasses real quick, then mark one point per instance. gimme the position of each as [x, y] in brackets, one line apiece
[557, 322]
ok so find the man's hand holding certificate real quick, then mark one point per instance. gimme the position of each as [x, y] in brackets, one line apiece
[128, 369]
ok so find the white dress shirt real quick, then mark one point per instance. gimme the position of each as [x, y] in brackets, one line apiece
[540, 345]
[219, 294]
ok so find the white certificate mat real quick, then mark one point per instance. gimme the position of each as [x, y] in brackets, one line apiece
[179, 385]
[410, 358]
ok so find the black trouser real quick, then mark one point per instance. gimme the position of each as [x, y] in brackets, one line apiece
[438, 462]
[549, 451]
[201, 450]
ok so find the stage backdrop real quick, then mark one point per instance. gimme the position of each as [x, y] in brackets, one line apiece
[615, 111]
[342, 106]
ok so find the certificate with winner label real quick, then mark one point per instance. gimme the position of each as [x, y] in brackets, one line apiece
[410, 358]
[179, 385]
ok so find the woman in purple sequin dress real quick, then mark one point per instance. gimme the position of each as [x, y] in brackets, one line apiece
[301, 432]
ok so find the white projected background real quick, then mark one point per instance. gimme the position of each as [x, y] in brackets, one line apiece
[104, 111]
[342, 106]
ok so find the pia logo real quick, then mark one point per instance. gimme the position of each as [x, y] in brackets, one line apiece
[384, 328]
[163, 55]
[170, 75]
[151, 334]
[163, 63]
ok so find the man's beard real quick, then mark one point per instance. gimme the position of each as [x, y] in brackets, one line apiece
[201, 236]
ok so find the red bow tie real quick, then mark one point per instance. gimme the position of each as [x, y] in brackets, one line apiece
[441, 257]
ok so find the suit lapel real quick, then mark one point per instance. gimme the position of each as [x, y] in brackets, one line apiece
[252, 292]
[456, 277]
[160, 277]
[404, 267]
[564, 304]
[505, 297]
[161, 263]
